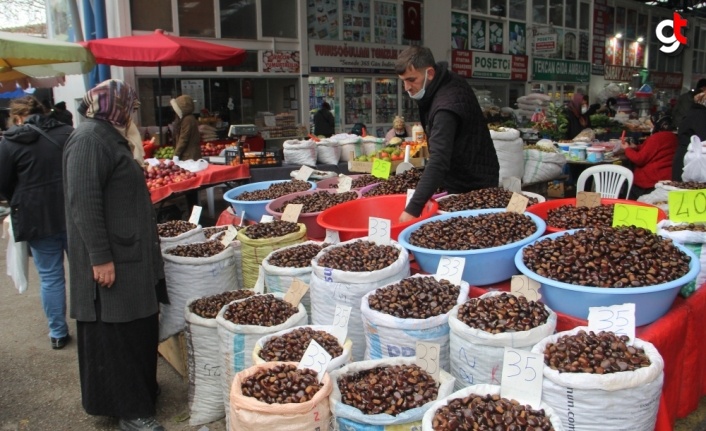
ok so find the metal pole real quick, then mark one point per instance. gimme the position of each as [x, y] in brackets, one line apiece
[159, 103]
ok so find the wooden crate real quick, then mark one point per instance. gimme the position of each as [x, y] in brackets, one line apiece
[173, 350]
[367, 167]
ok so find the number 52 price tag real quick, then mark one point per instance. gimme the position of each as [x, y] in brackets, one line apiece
[522, 376]
[315, 358]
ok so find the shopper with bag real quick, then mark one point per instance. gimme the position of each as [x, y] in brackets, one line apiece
[694, 124]
[30, 180]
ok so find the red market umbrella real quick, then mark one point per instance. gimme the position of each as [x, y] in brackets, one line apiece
[162, 49]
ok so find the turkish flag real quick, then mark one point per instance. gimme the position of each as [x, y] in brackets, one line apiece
[412, 20]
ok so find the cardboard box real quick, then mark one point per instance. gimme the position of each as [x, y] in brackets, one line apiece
[367, 167]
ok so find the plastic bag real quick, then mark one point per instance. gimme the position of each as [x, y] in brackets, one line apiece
[193, 165]
[17, 257]
[695, 162]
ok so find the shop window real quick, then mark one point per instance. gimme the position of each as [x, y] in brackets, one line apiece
[196, 18]
[652, 57]
[479, 6]
[518, 39]
[459, 4]
[249, 65]
[571, 11]
[539, 11]
[459, 30]
[584, 15]
[620, 20]
[150, 15]
[570, 46]
[356, 21]
[518, 9]
[238, 19]
[610, 25]
[556, 12]
[642, 26]
[498, 8]
[631, 25]
[385, 22]
[278, 18]
[495, 36]
[584, 47]
[478, 34]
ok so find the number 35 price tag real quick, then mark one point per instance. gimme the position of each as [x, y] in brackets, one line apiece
[644, 217]
[315, 358]
[618, 319]
[379, 230]
[427, 358]
[451, 269]
[522, 376]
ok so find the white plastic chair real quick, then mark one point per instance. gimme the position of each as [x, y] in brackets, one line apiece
[607, 180]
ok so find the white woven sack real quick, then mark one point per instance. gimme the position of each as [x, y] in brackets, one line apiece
[334, 364]
[188, 277]
[350, 144]
[236, 343]
[504, 134]
[483, 390]
[328, 152]
[694, 241]
[477, 355]
[299, 152]
[350, 418]
[542, 166]
[388, 336]
[329, 287]
[624, 401]
[204, 370]
[189, 237]
[237, 254]
[511, 157]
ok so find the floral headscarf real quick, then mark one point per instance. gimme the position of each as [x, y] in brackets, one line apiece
[575, 107]
[112, 101]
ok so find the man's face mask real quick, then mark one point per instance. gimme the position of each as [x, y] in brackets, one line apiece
[420, 94]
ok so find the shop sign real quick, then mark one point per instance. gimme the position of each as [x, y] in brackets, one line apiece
[461, 62]
[547, 69]
[664, 80]
[612, 72]
[546, 43]
[600, 20]
[280, 61]
[474, 64]
[494, 66]
[350, 58]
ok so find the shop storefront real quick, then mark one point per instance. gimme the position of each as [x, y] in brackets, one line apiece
[560, 79]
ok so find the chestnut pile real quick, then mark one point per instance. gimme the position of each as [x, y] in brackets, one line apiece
[502, 313]
[572, 217]
[172, 228]
[208, 307]
[210, 231]
[360, 256]
[260, 310]
[319, 201]
[198, 249]
[489, 412]
[471, 233]
[389, 389]
[397, 184]
[359, 182]
[693, 227]
[687, 185]
[275, 191]
[273, 229]
[282, 384]
[588, 352]
[292, 345]
[625, 256]
[296, 257]
[493, 197]
[415, 298]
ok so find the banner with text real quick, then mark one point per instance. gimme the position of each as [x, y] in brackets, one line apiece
[547, 69]
[662, 80]
[346, 57]
[545, 43]
[280, 61]
[600, 20]
[475, 64]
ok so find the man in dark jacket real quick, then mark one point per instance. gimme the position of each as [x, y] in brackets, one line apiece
[324, 123]
[684, 103]
[462, 154]
[62, 115]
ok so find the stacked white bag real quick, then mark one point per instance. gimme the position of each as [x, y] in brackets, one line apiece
[529, 104]
[542, 165]
[298, 152]
[328, 151]
[350, 146]
[695, 241]
[509, 146]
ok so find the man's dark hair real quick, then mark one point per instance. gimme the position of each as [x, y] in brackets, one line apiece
[415, 56]
[701, 84]
[325, 105]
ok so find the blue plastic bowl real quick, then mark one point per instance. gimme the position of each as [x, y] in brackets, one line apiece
[254, 210]
[483, 266]
[651, 302]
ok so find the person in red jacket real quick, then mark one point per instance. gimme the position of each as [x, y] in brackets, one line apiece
[653, 158]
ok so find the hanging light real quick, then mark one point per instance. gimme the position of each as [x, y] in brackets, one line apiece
[640, 39]
[618, 35]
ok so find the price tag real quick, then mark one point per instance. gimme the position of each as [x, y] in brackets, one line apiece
[340, 321]
[644, 217]
[344, 184]
[427, 358]
[410, 193]
[381, 169]
[588, 199]
[618, 319]
[518, 203]
[195, 214]
[512, 184]
[522, 376]
[315, 358]
[332, 237]
[379, 230]
[688, 206]
[521, 285]
[291, 212]
[229, 236]
[451, 268]
[266, 218]
[295, 292]
[304, 173]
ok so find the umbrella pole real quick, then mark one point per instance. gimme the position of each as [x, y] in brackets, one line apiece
[159, 103]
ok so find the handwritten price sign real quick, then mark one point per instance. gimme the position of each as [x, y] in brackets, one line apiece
[618, 319]
[315, 358]
[296, 291]
[588, 199]
[381, 169]
[195, 214]
[344, 184]
[427, 358]
[266, 218]
[627, 215]
[291, 212]
[304, 173]
[522, 376]
[689, 206]
[332, 237]
[341, 316]
[518, 203]
[521, 285]
[451, 268]
[379, 230]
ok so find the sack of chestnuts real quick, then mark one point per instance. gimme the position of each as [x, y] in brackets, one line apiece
[261, 399]
[194, 270]
[260, 239]
[290, 345]
[382, 392]
[693, 237]
[343, 273]
[598, 396]
[175, 232]
[243, 322]
[416, 308]
[237, 251]
[467, 409]
[482, 327]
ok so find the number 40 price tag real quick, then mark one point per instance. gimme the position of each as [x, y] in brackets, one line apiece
[315, 358]
[522, 376]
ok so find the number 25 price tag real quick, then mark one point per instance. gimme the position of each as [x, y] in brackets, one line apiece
[618, 319]
[340, 322]
[451, 269]
[379, 230]
[522, 376]
[315, 358]
[427, 358]
[521, 285]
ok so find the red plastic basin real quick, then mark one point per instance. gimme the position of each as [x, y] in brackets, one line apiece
[542, 209]
[350, 219]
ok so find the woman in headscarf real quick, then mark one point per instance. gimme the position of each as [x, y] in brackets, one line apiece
[577, 116]
[652, 159]
[116, 268]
